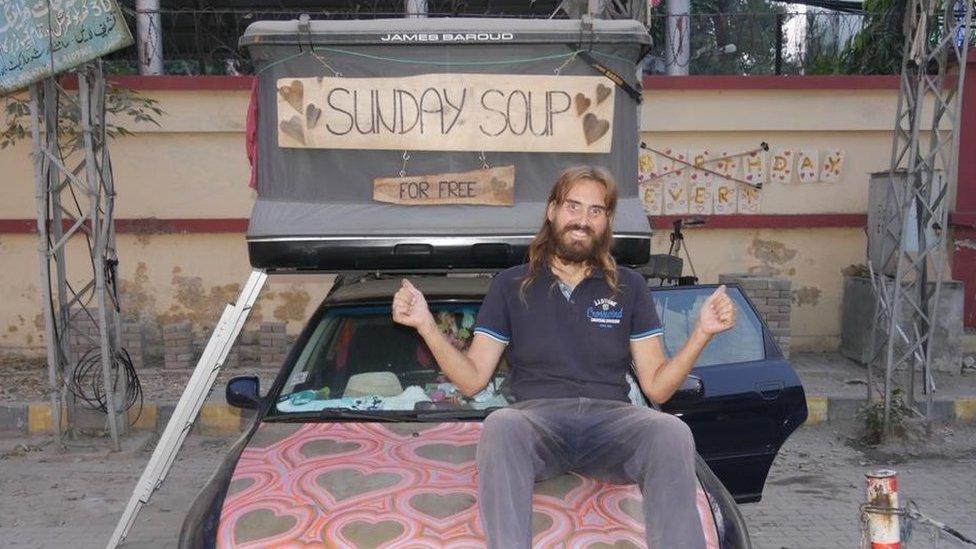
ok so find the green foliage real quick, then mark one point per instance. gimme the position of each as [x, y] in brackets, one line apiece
[899, 416]
[120, 103]
[877, 48]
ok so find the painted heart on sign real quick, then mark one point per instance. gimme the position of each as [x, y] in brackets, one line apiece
[582, 103]
[372, 534]
[261, 524]
[602, 93]
[312, 115]
[293, 128]
[294, 94]
[594, 128]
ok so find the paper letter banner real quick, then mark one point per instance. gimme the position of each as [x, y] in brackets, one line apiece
[448, 112]
[700, 193]
[833, 163]
[647, 166]
[700, 158]
[807, 165]
[725, 196]
[726, 166]
[781, 166]
[492, 187]
[749, 198]
[652, 195]
[669, 165]
[675, 194]
[754, 167]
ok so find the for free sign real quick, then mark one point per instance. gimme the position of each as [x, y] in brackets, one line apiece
[448, 112]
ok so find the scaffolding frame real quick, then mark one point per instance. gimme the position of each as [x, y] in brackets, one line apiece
[75, 197]
[915, 220]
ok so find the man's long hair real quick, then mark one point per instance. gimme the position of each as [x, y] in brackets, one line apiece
[543, 248]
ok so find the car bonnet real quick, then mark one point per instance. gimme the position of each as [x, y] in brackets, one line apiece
[360, 484]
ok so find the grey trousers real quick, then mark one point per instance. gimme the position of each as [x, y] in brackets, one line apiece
[607, 440]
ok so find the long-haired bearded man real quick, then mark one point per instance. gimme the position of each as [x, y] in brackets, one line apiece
[571, 324]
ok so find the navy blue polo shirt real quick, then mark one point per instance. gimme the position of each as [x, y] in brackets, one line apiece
[560, 347]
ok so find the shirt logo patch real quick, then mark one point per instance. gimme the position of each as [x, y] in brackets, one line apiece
[605, 312]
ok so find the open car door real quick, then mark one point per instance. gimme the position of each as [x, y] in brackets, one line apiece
[742, 399]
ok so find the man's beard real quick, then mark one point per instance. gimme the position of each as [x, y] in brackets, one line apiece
[572, 251]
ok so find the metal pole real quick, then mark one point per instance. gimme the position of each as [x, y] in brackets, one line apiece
[98, 253]
[415, 8]
[677, 41]
[779, 44]
[40, 196]
[149, 38]
[56, 232]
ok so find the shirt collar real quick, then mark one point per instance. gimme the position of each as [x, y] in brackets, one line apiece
[595, 272]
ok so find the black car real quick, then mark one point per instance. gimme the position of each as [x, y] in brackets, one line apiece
[362, 442]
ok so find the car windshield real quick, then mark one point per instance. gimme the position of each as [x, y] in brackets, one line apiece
[358, 359]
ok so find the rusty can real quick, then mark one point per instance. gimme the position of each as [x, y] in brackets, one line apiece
[882, 509]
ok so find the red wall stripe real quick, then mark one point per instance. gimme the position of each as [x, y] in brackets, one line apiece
[144, 225]
[766, 221]
[832, 82]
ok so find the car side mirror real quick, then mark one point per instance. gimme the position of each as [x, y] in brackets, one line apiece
[244, 392]
[691, 388]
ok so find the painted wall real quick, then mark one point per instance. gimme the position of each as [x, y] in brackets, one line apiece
[193, 167]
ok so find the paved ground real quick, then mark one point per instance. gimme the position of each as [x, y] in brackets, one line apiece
[811, 497]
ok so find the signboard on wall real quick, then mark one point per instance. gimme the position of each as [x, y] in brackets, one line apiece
[448, 112]
[40, 38]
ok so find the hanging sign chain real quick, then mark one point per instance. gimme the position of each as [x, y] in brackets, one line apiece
[403, 168]
[484, 161]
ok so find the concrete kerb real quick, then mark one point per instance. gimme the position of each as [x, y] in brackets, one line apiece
[221, 419]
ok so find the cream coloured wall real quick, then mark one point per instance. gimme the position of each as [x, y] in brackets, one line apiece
[194, 166]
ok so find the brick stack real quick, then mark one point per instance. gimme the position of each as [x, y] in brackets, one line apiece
[273, 343]
[246, 352]
[134, 341]
[772, 298]
[178, 345]
[82, 325]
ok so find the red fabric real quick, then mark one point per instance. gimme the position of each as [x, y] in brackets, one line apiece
[251, 139]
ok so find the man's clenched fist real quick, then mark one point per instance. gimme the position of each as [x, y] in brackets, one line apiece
[717, 313]
[410, 306]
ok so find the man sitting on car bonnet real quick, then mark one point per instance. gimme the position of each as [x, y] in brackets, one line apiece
[572, 321]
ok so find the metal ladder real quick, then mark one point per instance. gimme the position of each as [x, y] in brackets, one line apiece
[204, 375]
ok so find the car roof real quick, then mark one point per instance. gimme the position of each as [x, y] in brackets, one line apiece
[433, 287]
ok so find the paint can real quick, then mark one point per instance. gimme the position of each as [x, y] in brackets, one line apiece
[882, 509]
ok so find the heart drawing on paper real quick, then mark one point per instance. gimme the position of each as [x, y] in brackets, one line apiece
[312, 115]
[293, 128]
[594, 128]
[602, 93]
[294, 94]
[582, 103]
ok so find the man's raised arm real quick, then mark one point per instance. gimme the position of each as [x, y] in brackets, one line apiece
[468, 371]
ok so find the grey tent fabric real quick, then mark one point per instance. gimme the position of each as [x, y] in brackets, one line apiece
[328, 192]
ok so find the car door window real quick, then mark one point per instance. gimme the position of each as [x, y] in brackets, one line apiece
[679, 307]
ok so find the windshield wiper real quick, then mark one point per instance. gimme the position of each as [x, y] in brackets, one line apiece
[334, 413]
[380, 415]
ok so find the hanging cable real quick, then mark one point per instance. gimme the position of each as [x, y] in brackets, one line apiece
[87, 385]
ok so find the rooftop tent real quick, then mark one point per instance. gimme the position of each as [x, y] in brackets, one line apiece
[316, 206]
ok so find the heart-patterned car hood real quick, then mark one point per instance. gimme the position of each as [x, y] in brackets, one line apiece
[404, 485]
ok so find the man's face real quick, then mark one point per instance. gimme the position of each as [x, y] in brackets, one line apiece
[580, 224]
